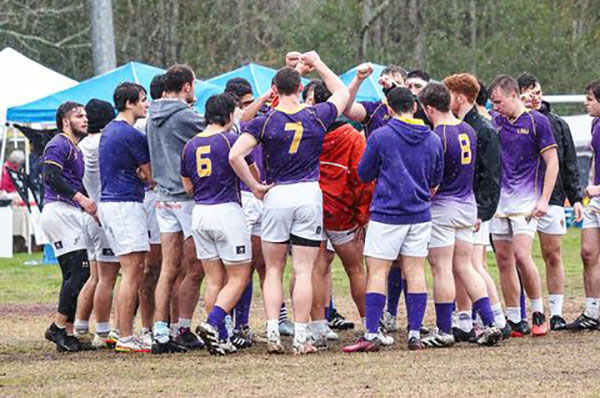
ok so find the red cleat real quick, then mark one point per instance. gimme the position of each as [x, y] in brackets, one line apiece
[539, 325]
[363, 345]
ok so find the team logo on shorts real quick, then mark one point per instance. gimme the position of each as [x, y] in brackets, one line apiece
[562, 223]
[108, 252]
[58, 245]
[318, 230]
[240, 249]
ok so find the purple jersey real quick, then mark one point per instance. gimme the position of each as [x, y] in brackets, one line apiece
[293, 141]
[123, 149]
[460, 145]
[522, 142]
[64, 153]
[205, 160]
[377, 115]
[257, 156]
[596, 149]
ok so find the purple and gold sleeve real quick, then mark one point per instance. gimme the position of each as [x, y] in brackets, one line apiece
[326, 112]
[56, 153]
[255, 128]
[545, 136]
[370, 107]
[231, 138]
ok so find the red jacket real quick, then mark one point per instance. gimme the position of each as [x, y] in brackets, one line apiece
[7, 184]
[346, 199]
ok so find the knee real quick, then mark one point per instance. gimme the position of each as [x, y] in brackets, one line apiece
[588, 255]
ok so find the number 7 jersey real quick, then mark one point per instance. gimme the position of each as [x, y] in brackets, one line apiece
[293, 141]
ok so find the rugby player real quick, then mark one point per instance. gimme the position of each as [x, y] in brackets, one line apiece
[63, 220]
[101, 257]
[218, 222]
[417, 80]
[292, 138]
[124, 167]
[171, 123]
[529, 168]
[464, 90]
[407, 160]
[454, 216]
[590, 233]
[552, 226]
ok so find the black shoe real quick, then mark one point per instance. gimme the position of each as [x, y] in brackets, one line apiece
[167, 348]
[557, 322]
[189, 340]
[210, 335]
[415, 344]
[583, 322]
[241, 338]
[520, 329]
[338, 321]
[506, 331]
[460, 336]
[63, 342]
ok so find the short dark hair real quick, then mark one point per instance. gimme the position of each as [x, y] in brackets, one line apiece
[419, 74]
[526, 80]
[437, 96]
[63, 111]
[287, 81]
[394, 70]
[308, 88]
[594, 88]
[99, 114]
[157, 86]
[483, 96]
[238, 87]
[506, 83]
[127, 92]
[401, 100]
[218, 109]
[176, 77]
[322, 93]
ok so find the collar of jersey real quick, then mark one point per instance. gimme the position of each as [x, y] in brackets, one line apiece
[209, 134]
[517, 118]
[290, 111]
[451, 124]
[69, 138]
[408, 120]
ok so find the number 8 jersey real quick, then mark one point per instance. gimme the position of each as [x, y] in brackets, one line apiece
[293, 141]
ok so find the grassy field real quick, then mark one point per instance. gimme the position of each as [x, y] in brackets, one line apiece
[560, 364]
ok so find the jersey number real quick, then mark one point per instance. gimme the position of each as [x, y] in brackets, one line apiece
[298, 130]
[203, 165]
[465, 149]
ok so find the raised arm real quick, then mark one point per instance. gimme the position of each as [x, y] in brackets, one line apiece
[339, 92]
[354, 110]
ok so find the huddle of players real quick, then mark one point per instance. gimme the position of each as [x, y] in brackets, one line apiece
[434, 196]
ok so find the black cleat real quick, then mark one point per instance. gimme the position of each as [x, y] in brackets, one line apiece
[210, 335]
[242, 338]
[338, 321]
[460, 336]
[415, 344]
[506, 331]
[520, 329]
[583, 322]
[63, 342]
[557, 322]
[169, 347]
[189, 340]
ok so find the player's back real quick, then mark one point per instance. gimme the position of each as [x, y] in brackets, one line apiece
[91, 178]
[205, 160]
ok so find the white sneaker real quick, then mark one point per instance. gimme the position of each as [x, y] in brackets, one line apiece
[132, 345]
[274, 343]
[228, 347]
[101, 341]
[331, 335]
[384, 340]
[146, 337]
[437, 339]
[389, 323]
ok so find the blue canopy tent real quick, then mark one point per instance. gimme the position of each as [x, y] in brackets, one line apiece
[44, 110]
[370, 90]
[260, 77]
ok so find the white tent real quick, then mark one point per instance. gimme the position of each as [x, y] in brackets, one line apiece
[581, 130]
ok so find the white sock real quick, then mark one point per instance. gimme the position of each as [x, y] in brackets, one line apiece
[273, 327]
[414, 333]
[499, 318]
[185, 323]
[363, 320]
[102, 327]
[300, 332]
[465, 321]
[591, 307]
[370, 336]
[537, 305]
[81, 325]
[513, 314]
[556, 304]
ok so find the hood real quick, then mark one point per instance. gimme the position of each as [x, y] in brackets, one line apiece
[545, 108]
[161, 110]
[413, 131]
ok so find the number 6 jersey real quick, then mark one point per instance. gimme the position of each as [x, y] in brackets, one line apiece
[293, 141]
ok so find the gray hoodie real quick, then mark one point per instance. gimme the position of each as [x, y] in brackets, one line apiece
[171, 124]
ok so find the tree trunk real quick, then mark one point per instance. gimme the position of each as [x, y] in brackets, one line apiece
[103, 36]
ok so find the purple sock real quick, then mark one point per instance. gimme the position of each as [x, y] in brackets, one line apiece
[484, 309]
[374, 303]
[223, 332]
[329, 308]
[216, 316]
[394, 286]
[242, 308]
[523, 305]
[404, 290]
[416, 304]
[443, 315]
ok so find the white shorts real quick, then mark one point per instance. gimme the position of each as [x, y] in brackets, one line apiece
[388, 241]
[554, 222]
[125, 226]
[98, 246]
[175, 216]
[220, 232]
[253, 211]
[63, 225]
[340, 237]
[482, 237]
[504, 228]
[294, 209]
[591, 217]
[150, 199]
[449, 223]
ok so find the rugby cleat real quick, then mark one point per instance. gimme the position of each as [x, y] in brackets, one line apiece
[101, 341]
[539, 325]
[146, 337]
[437, 339]
[518, 329]
[242, 338]
[170, 347]
[189, 340]
[423, 331]
[85, 340]
[63, 342]
[490, 336]
[506, 331]
[210, 335]
[384, 339]
[557, 323]
[330, 334]
[228, 347]
[415, 344]
[362, 345]
[304, 348]
[113, 337]
[286, 328]
[132, 345]
[460, 336]
[338, 321]
[274, 343]
[583, 322]
[388, 323]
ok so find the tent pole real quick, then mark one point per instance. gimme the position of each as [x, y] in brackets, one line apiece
[2, 154]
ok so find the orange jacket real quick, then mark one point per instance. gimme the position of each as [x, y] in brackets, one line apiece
[346, 199]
